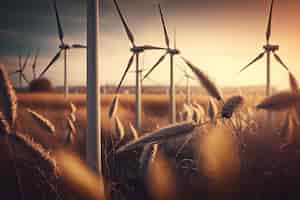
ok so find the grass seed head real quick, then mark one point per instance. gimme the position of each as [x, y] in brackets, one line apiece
[280, 101]
[133, 131]
[160, 135]
[147, 157]
[212, 109]
[8, 97]
[208, 84]
[293, 83]
[42, 121]
[231, 105]
[119, 129]
[4, 125]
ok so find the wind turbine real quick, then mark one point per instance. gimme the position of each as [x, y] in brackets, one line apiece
[268, 49]
[188, 78]
[136, 51]
[21, 69]
[172, 52]
[63, 47]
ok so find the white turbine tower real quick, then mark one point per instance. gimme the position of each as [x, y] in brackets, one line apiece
[268, 49]
[63, 47]
[136, 52]
[93, 138]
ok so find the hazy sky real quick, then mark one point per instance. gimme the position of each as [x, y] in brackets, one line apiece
[218, 36]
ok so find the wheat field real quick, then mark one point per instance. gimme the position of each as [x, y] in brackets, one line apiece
[239, 158]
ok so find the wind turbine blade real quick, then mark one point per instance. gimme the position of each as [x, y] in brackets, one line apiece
[269, 28]
[128, 32]
[24, 78]
[25, 62]
[125, 73]
[150, 47]
[155, 65]
[51, 63]
[260, 56]
[20, 61]
[280, 61]
[59, 26]
[35, 59]
[164, 26]
[79, 46]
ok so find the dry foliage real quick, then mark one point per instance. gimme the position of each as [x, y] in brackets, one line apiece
[43, 122]
[8, 97]
[160, 135]
[231, 105]
[133, 131]
[293, 83]
[281, 101]
[119, 129]
[208, 84]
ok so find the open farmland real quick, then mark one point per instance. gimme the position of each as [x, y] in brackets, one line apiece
[209, 166]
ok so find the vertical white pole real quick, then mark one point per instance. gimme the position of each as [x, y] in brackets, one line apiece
[268, 92]
[270, 116]
[93, 138]
[172, 115]
[66, 87]
[138, 93]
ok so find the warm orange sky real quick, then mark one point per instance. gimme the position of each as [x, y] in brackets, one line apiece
[219, 37]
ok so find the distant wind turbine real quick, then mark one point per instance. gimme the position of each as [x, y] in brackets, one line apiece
[268, 49]
[172, 52]
[136, 51]
[21, 69]
[63, 47]
[188, 78]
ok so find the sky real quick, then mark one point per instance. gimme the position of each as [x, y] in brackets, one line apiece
[220, 37]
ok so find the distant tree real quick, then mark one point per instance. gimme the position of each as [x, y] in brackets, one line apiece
[41, 85]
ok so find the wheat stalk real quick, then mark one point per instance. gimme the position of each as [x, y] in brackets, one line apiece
[4, 125]
[133, 131]
[287, 127]
[160, 135]
[71, 131]
[119, 129]
[200, 109]
[43, 122]
[212, 109]
[187, 113]
[147, 157]
[8, 97]
[209, 85]
[39, 154]
[293, 83]
[113, 107]
[231, 105]
[281, 101]
[196, 115]
[73, 108]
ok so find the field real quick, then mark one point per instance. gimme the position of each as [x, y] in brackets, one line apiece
[212, 166]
